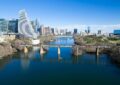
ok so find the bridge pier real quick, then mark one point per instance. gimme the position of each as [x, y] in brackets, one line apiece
[59, 51]
[41, 50]
[97, 51]
[25, 50]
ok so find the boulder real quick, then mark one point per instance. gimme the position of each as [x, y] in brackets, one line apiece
[6, 49]
[17, 44]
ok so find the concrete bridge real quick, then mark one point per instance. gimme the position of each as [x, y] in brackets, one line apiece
[77, 48]
[64, 36]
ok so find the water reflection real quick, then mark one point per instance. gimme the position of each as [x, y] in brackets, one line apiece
[25, 61]
[4, 61]
[59, 58]
[75, 59]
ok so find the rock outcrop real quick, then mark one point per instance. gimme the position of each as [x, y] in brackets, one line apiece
[12, 47]
[17, 44]
[6, 49]
[115, 54]
[76, 50]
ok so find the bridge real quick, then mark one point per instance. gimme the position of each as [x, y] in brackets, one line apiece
[77, 48]
[67, 46]
[64, 36]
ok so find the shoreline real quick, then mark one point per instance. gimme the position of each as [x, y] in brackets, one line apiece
[113, 51]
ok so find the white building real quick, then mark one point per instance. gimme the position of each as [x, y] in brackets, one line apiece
[25, 27]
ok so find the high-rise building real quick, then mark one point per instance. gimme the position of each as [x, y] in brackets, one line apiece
[3, 26]
[61, 31]
[37, 26]
[88, 30]
[47, 30]
[66, 31]
[75, 31]
[56, 31]
[33, 24]
[99, 31]
[13, 26]
[53, 31]
[42, 30]
[24, 25]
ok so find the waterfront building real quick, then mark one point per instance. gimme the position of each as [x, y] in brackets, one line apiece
[3, 26]
[24, 26]
[75, 31]
[13, 26]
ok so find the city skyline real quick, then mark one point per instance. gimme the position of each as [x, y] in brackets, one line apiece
[68, 14]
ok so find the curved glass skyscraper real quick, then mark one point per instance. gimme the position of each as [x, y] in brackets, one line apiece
[24, 26]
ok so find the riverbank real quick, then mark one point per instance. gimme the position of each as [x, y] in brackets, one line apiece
[6, 49]
[92, 41]
[11, 47]
[46, 39]
[14, 46]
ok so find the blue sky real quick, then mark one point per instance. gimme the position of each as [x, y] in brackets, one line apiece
[58, 13]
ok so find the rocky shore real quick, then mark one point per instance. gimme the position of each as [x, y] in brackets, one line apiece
[113, 51]
[46, 39]
[6, 49]
[12, 47]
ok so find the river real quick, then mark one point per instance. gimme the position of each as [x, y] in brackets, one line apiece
[34, 69]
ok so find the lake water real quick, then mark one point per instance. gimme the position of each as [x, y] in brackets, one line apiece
[34, 69]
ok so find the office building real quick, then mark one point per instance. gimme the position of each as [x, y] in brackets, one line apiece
[75, 31]
[42, 30]
[99, 32]
[3, 26]
[37, 26]
[116, 32]
[88, 30]
[53, 31]
[13, 26]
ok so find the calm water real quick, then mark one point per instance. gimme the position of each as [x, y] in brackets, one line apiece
[34, 69]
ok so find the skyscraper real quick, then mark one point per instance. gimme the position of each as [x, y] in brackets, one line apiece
[53, 31]
[24, 26]
[75, 31]
[88, 30]
[99, 31]
[37, 26]
[42, 30]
